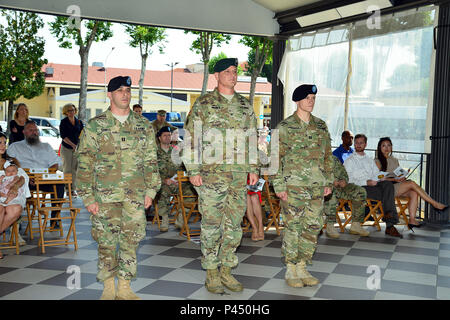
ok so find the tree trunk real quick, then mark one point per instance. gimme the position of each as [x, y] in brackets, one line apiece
[141, 79]
[205, 77]
[10, 116]
[84, 54]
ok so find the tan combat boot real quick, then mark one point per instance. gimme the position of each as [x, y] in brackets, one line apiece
[229, 281]
[356, 228]
[291, 276]
[331, 231]
[109, 289]
[213, 283]
[304, 275]
[124, 291]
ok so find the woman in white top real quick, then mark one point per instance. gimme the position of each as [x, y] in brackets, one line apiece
[405, 188]
[10, 212]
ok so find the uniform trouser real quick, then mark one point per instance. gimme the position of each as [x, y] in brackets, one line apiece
[70, 163]
[384, 191]
[119, 224]
[302, 215]
[222, 204]
[164, 195]
[163, 199]
[351, 192]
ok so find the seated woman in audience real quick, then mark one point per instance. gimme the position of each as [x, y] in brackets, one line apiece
[406, 188]
[11, 211]
[254, 214]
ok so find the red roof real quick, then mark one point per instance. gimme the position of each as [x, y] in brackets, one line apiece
[68, 73]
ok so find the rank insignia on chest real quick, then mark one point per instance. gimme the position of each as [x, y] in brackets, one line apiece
[123, 139]
[215, 107]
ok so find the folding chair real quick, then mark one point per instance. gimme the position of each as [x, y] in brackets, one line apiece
[155, 213]
[375, 206]
[31, 204]
[62, 205]
[13, 241]
[188, 206]
[347, 214]
[274, 204]
[402, 204]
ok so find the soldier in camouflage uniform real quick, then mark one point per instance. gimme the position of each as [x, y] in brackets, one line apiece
[219, 178]
[167, 169]
[160, 122]
[118, 176]
[304, 177]
[349, 191]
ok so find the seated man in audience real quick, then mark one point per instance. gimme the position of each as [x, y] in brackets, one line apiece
[160, 122]
[363, 171]
[348, 191]
[345, 149]
[138, 109]
[167, 169]
[32, 153]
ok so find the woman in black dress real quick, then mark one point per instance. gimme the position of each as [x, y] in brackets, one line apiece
[70, 129]
[16, 126]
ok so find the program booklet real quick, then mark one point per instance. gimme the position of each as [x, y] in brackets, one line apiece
[397, 173]
[257, 187]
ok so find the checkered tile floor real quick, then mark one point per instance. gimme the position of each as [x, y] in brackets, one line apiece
[415, 267]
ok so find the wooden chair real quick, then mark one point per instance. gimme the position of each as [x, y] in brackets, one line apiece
[155, 213]
[13, 241]
[375, 211]
[402, 204]
[31, 204]
[347, 214]
[62, 205]
[188, 206]
[274, 204]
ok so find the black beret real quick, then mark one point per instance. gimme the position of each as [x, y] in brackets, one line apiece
[223, 64]
[163, 129]
[117, 82]
[302, 92]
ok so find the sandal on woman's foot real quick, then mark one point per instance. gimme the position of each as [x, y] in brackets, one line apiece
[254, 236]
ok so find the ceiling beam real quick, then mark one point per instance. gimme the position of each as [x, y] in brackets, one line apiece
[289, 25]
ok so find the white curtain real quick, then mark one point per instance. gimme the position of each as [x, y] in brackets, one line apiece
[388, 92]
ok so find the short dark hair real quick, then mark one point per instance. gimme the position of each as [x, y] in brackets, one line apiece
[137, 105]
[361, 135]
[346, 132]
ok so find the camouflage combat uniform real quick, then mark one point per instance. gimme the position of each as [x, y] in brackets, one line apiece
[351, 192]
[117, 168]
[222, 197]
[305, 170]
[158, 125]
[167, 169]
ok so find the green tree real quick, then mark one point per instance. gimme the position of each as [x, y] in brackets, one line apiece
[144, 38]
[69, 33]
[203, 45]
[262, 48]
[267, 68]
[21, 58]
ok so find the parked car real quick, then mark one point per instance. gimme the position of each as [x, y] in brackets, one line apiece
[47, 134]
[47, 122]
